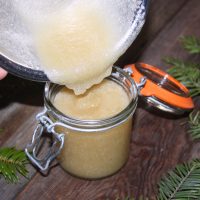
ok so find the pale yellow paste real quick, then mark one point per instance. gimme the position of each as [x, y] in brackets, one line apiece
[76, 45]
[100, 153]
[99, 102]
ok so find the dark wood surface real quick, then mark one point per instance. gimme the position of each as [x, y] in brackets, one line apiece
[159, 141]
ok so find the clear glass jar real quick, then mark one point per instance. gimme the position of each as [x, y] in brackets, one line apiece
[97, 148]
[92, 148]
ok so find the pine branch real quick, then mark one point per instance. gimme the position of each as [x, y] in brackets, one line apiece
[187, 73]
[182, 183]
[191, 44]
[12, 163]
[194, 125]
[175, 62]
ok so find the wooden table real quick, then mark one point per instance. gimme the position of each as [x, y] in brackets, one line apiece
[159, 141]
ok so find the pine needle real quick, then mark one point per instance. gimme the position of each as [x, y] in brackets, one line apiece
[194, 124]
[12, 163]
[182, 183]
[191, 44]
[187, 73]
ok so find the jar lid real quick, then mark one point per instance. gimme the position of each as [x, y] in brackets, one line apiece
[159, 89]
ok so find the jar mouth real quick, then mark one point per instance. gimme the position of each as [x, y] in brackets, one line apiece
[119, 76]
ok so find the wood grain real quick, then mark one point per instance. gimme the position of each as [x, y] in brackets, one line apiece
[167, 42]
[159, 141]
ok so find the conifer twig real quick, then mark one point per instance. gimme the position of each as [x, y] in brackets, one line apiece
[187, 72]
[12, 163]
[191, 44]
[194, 124]
[182, 183]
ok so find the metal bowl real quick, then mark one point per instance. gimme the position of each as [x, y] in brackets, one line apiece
[22, 68]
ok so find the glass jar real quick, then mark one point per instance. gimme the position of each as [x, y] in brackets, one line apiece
[87, 148]
[98, 148]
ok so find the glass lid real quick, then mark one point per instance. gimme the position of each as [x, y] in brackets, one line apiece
[159, 89]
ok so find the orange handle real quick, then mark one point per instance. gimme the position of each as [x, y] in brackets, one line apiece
[153, 89]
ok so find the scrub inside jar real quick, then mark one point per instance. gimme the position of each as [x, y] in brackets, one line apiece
[99, 102]
[94, 154]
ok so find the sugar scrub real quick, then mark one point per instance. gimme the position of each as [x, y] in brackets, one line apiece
[99, 102]
[99, 153]
[78, 41]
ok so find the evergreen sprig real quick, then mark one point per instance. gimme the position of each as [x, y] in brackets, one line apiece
[191, 44]
[12, 163]
[187, 72]
[194, 123]
[182, 183]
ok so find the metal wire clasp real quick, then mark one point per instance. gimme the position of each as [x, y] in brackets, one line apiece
[45, 125]
[142, 82]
